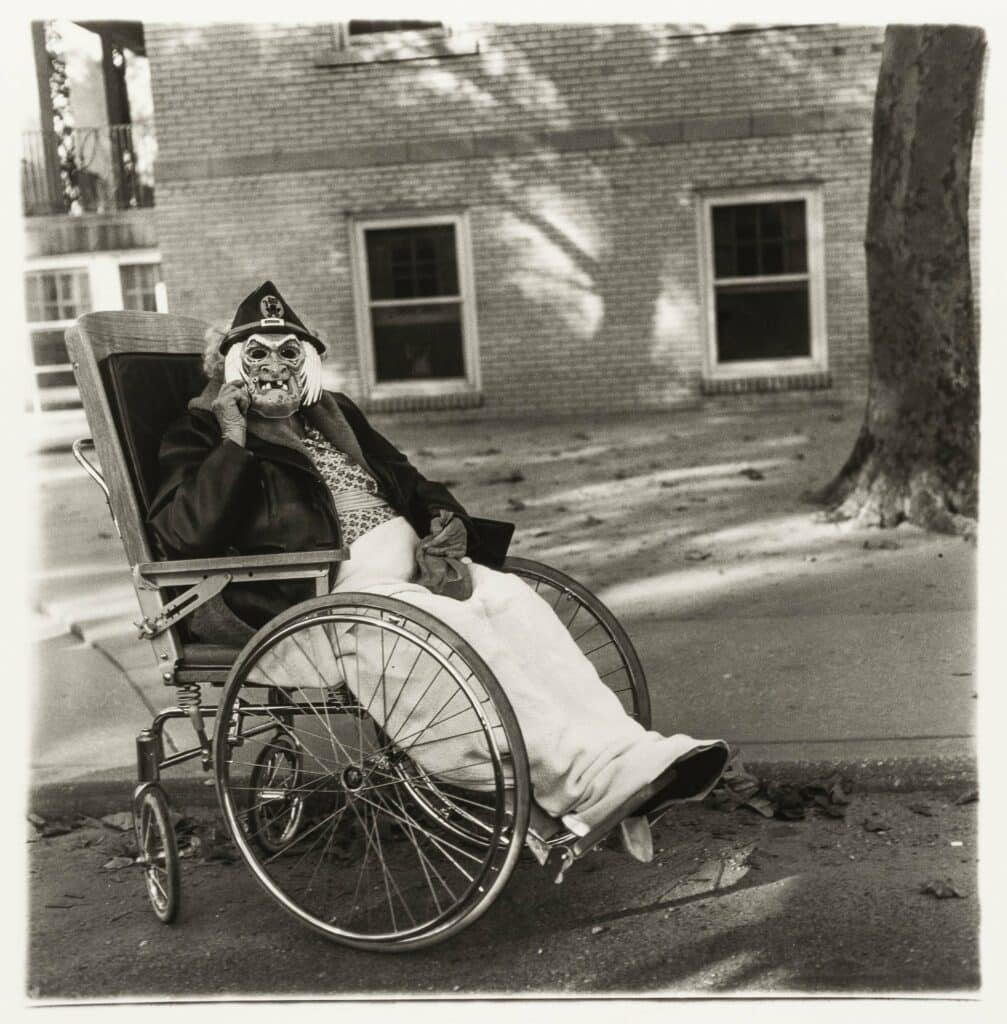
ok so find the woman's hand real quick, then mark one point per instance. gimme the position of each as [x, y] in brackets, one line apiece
[230, 407]
[447, 536]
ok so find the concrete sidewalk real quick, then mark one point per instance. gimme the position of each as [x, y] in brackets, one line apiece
[807, 644]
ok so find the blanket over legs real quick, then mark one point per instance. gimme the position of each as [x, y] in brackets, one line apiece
[586, 755]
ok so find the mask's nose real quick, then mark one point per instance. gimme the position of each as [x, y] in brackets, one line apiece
[276, 365]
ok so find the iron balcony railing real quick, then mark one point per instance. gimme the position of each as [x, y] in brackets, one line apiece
[88, 170]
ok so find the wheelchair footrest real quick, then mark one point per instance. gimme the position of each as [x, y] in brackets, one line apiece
[634, 832]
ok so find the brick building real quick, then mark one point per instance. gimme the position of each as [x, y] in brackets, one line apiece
[527, 217]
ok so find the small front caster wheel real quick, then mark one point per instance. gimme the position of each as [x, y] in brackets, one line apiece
[158, 851]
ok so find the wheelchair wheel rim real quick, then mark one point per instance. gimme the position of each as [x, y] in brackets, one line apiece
[374, 797]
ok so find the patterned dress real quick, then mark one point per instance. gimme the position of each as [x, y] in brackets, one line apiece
[359, 504]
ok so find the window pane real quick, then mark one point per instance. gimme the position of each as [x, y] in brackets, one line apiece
[49, 348]
[59, 379]
[763, 322]
[412, 263]
[370, 28]
[418, 342]
[758, 239]
[139, 282]
[57, 294]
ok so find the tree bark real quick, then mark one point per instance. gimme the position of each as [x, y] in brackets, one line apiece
[917, 455]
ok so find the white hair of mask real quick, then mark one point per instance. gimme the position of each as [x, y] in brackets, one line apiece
[311, 374]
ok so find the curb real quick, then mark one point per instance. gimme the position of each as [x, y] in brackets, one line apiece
[97, 797]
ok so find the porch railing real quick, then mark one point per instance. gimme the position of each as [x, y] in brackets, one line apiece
[88, 170]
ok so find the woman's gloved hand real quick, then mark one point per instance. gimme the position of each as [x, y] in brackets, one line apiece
[230, 407]
[447, 536]
[440, 558]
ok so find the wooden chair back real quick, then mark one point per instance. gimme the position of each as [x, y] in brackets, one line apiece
[100, 346]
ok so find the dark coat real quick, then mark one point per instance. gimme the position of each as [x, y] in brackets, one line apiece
[217, 498]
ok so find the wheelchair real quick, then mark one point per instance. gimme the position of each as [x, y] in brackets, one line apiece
[325, 780]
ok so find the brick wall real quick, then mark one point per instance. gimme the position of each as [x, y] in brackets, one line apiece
[585, 253]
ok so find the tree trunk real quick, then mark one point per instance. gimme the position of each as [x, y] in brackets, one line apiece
[917, 456]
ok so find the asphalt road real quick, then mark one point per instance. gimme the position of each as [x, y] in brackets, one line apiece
[732, 903]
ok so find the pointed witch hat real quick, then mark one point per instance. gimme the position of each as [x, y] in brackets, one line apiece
[264, 311]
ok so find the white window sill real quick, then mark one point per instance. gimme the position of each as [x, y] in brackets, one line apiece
[766, 368]
[421, 388]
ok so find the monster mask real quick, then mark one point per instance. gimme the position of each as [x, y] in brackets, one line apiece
[274, 368]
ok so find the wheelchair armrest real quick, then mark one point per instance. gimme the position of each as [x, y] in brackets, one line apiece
[288, 566]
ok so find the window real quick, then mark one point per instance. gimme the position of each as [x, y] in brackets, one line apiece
[54, 299]
[415, 306]
[367, 42]
[764, 283]
[357, 30]
[58, 289]
[139, 282]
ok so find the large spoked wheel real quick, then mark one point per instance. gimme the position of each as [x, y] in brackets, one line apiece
[157, 851]
[276, 801]
[595, 630]
[413, 781]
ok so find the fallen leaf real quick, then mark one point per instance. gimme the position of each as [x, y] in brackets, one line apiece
[968, 797]
[752, 474]
[698, 556]
[878, 825]
[923, 809]
[515, 476]
[36, 819]
[516, 504]
[941, 888]
[598, 929]
[116, 863]
[593, 521]
[761, 804]
[121, 821]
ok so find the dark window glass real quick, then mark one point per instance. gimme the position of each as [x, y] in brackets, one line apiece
[763, 322]
[412, 263]
[57, 295]
[57, 379]
[49, 348]
[372, 28]
[759, 239]
[418, 342]
[139, 285]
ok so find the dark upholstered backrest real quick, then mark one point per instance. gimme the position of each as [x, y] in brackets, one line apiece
[147, 391]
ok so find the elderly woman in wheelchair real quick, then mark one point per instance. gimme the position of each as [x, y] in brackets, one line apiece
[390, 746]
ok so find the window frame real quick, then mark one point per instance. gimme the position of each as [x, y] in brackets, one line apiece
[396, 46]
[105, 285]
[817, 361]
[376, 390]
